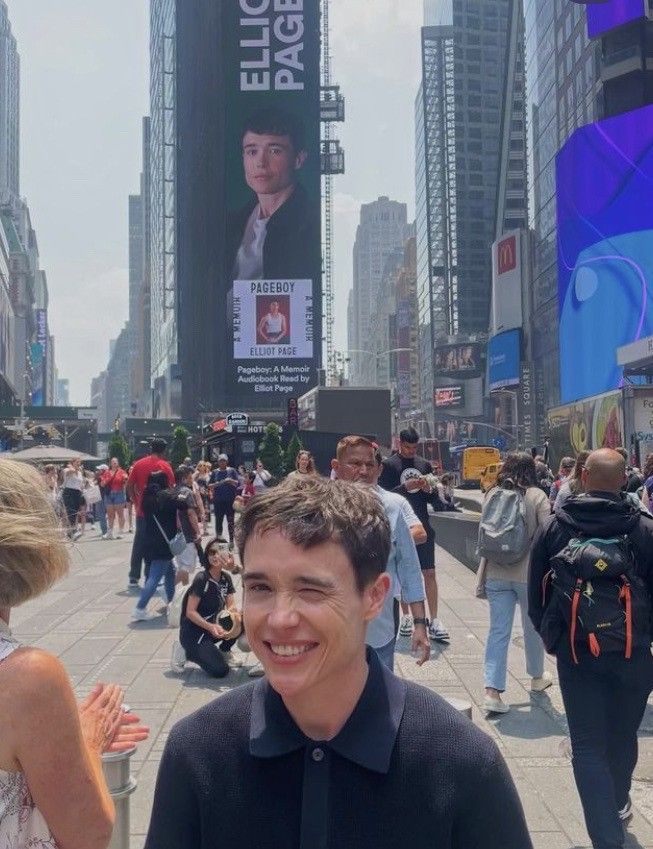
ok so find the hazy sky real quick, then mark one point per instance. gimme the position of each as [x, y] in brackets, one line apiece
[84, 89]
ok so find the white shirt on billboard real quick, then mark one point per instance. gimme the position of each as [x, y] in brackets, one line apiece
[249, 260]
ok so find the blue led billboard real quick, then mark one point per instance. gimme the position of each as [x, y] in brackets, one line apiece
[603, 17]
[605, 258]
[503, 359]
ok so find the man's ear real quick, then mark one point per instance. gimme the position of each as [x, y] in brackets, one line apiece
[300, 159]
[375, 596]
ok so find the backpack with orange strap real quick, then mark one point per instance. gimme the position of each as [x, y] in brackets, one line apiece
[594, 586]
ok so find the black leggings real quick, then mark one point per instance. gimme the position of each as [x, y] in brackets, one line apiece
[223, 509]
[210, 656]
[72, 501]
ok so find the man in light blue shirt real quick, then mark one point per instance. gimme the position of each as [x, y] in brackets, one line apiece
[357, 462]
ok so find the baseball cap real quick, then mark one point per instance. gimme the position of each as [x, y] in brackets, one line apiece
[102, 467]
[223, 457]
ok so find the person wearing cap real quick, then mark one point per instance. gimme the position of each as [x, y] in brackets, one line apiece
[224, 483]
[329, 749]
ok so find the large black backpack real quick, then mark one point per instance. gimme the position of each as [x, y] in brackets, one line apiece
[593, 584]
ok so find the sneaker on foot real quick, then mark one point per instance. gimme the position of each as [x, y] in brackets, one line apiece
[133, 585]
[142, 615]
[105, 536]
[438, 632]
[627, 811]
[233, 661]
[76, 535]
[539, 685]
[495, 705]
[256, 671]
[406, 626]
[178, 658]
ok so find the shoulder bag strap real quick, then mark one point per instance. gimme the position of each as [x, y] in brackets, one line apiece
[163, 533]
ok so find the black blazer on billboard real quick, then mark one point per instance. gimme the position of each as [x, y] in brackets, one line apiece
[292, 243]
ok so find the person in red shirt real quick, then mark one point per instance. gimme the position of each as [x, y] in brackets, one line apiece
[138, 477]
[113, 482]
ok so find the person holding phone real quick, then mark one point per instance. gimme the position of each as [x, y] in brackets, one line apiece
[205, 636]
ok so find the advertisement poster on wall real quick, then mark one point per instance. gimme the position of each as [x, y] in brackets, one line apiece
[605, 264]
[272, 184]
[643, 424]
[507, 282]
[606, 16]
[593, 423]
[503, 359]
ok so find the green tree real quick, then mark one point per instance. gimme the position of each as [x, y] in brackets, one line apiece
[270, 450]
[179, 447]
[293, 449]
[118, 448]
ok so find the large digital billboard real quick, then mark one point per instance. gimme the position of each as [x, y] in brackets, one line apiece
[603, 17]
[458, 361]
[272, 257]
[503, 359]
[605, 261]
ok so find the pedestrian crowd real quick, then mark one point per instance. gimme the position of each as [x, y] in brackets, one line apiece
[333, 572]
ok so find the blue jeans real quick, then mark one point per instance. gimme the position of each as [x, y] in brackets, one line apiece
[386, 655]
[100, 515]
[503, 596]
[158, 569]
[605, 699]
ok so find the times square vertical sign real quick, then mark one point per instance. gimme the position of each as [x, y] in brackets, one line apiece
[272, 267]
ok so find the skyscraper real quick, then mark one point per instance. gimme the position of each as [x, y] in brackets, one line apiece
[382, 230]
[9, 109]
[562, 75]
[163, 169]
[470, 165]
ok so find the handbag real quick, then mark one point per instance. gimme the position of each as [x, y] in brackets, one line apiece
[177, 544]
[92, 495]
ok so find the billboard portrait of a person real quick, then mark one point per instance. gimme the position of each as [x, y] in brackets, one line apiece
[273, 327]
[274, 236]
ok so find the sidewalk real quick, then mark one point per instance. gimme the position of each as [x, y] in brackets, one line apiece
[86, 621]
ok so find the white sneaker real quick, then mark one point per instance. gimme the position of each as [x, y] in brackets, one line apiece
[438, 632]
[76, 535]
[256, 671]
[108, 535]
[406, 627]
[539, 685]
[233, 661]
[495, 705]
[178, 658]
[142, 615]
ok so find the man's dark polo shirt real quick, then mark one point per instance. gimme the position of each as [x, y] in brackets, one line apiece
[406, 769]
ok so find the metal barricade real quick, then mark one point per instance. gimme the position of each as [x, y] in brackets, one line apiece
[121, 785]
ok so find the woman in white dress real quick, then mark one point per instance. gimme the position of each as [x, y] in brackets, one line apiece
[52, 790]
[273, 327]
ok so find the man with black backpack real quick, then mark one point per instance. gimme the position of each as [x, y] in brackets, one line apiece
[590, 590]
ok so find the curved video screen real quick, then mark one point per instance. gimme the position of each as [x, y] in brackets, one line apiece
[603, 17]
[605, 255]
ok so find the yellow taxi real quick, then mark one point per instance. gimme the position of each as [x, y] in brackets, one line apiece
[489, 476]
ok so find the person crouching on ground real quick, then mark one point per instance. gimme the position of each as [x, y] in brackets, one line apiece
[330, 749]
[202, 637]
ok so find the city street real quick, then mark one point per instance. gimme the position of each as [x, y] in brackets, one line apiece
[85, 620]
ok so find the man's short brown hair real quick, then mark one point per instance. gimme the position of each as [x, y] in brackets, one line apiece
[313, 510]
[349, 442]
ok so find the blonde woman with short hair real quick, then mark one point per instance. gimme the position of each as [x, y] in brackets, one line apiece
[52, 790]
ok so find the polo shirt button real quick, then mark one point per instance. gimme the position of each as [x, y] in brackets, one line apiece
[317, 755]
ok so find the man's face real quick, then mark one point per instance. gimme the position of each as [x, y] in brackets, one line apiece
[222, 465]
[270, 162]
[304, 616]
[357, 465]
[408, 450]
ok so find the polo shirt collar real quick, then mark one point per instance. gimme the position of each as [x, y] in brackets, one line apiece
[367, 738]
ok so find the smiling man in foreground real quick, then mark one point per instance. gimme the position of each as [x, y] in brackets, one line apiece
[330, 750]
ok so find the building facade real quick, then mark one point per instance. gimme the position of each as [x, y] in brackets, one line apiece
[9, 109]
[563, 87]
[162, 208]
[470, 167]
[381, 231]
